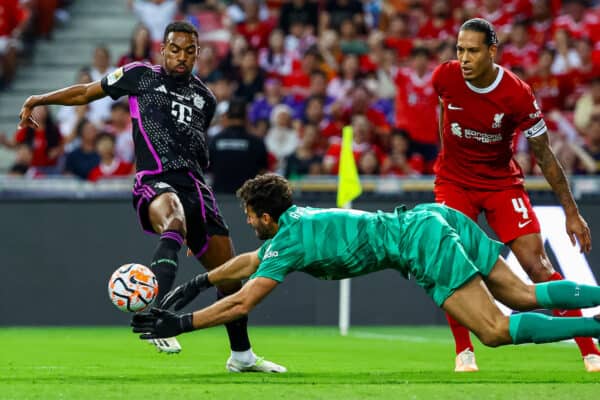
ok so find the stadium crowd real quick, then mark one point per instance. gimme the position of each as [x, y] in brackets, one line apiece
[307, 68]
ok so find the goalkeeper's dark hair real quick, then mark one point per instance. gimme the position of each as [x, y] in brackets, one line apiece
[268, 193]
[482, 26]
[180, 26]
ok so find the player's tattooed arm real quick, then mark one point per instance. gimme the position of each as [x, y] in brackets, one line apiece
[70, 96]
[576, 226]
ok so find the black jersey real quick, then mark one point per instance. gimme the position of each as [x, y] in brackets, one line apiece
[170, 119]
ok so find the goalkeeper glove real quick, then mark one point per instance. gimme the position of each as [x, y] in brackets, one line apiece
[161, 324]
[183, 294]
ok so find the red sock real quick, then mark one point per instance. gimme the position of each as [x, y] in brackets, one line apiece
[586, 344]
[462, 337]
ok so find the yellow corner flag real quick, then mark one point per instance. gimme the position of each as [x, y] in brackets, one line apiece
[348, 181]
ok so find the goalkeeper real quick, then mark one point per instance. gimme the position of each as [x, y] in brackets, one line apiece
[445, 252]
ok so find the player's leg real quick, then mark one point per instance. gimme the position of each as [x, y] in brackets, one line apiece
[167, 217]
[457, 198]
[511, 216]
[160, 211]
[473, 306]
[212, 246]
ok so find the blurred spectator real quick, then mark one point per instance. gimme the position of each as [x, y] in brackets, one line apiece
[99, 111]
[330, 49]
[274, 59]
[223, 91]
[298, 82]
[440, 27]
[566, 58]
[398, 36]
[339, 87]
[299, 38]
[416, 96]
[368, 164]
[305, 160]
[496, 12]
[261, 107]
[68, 117]
[252, 28]
[550, 90]
[303, 11]
[45, 141]
[540, 29]
[519, 51]
[120, 127]
[360, 145]
[361, 102]
[586, 105]
[140, 47]
[12, 21]
[235, 155]
[336, 11]
[588, 156]
[401, 163]
[207, 65]
[230, 64]
[350, 41]
[282, 139]
[83, 158]
[155, 15]
[110, 165]
[576, 21]
[251, 77]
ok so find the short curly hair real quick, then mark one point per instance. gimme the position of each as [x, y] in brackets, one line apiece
[268, 193]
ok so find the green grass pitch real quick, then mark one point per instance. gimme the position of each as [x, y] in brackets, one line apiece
[370, 363]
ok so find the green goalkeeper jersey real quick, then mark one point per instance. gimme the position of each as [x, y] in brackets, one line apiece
[439, 247]
[331, 243]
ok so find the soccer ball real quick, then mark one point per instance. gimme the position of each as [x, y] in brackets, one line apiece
[132, 287]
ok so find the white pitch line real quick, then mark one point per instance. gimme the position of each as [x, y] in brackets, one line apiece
[394, 337]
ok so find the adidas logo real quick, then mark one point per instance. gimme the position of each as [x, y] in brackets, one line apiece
[161, 89]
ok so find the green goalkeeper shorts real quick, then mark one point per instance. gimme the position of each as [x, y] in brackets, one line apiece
[444, 249]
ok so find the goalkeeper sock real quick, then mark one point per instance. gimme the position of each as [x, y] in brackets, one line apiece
[462, 336]
[538, 328]
[237, 330]
[566, 294]
[164, 262]
[586, 345]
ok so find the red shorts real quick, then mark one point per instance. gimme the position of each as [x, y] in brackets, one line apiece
[509, 212]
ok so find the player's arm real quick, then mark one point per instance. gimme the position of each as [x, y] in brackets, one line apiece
[576, 226]
[69, 96]
[239, 267]
[161, 323]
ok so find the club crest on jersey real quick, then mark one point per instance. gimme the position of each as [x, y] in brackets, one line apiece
[456, 129]
[199, 102]
[498, 121]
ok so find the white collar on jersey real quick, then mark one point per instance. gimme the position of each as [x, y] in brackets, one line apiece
[494, 84]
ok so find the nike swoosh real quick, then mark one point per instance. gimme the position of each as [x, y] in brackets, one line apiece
[523, 224]
[451, 107]
[562, 312]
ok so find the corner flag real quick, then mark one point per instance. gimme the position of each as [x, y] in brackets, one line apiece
[348, 181]
[348, 189]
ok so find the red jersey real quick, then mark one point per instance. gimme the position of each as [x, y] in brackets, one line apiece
[10, 16]
[416, 96]
[117, 168]
[479, 125]
[526, 56]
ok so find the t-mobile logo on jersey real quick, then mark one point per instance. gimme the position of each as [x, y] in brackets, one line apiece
[182, 112]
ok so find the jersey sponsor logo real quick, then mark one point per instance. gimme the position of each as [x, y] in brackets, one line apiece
[182, 112]
[498, 121]
[482, 137]
[270, 253]
[114, 76]
[199, 102]
[161, 89]
[536, 130]
[453, 107]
